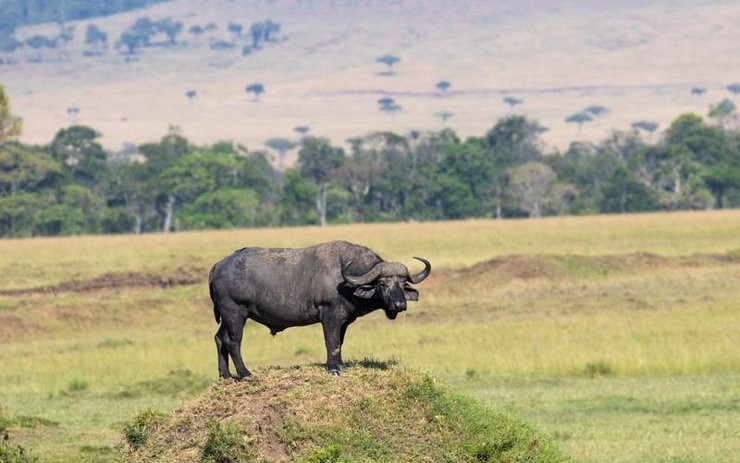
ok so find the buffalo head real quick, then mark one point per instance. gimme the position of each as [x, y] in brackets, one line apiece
[389, 282]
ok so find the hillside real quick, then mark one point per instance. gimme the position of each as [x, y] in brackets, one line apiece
[376, 412]
[560, 57]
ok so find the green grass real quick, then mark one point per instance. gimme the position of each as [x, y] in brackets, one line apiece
[624, 419]
[643, 305]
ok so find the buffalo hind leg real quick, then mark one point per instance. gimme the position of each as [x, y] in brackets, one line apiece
[234, 345]
[223, 352]
[230, 333]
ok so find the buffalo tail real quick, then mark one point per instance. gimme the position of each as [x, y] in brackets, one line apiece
[216, 312]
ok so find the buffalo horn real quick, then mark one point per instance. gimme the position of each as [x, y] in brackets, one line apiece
[378, 270]
[421, 276]
[360, 280]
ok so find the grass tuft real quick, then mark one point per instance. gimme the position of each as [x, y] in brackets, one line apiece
[226, 443]
[600, 368]
[139, 429]
[329, 454]
[76, 386]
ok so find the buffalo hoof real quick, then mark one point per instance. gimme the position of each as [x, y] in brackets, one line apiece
[336, 372]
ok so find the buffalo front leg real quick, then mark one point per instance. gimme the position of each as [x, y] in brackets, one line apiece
[332, 339]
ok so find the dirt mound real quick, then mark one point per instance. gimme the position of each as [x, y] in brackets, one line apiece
[110, 280]
[376, 411]
[523, 267]
[552, 266]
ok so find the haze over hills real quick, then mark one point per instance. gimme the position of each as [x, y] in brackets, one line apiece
[558, 57]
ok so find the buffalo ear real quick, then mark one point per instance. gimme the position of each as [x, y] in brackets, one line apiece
[365, 291]
[411, 293]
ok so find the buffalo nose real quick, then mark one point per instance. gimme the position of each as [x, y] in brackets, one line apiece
[401, 305]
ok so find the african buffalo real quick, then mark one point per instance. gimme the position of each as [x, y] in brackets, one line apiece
[330, 283]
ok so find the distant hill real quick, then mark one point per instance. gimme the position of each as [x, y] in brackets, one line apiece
[375, 412]
[639, 62]
[24, 12]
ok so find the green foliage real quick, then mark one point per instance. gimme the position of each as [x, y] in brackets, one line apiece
[623, 192]
[18, 214]
[225, 444]
[297, 202]
[329, 454]
[10, 125]
[224, 208]
[73, 186]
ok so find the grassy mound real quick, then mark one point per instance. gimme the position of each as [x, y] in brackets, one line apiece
[376, 411]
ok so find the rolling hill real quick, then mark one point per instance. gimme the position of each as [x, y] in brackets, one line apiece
[638, 61]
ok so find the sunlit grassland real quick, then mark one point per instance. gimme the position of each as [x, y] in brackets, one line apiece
[619, 358]
[448, 244]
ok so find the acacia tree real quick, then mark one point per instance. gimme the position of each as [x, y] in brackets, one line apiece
[282, 146]
[511, 101]
[256, 88]
[388, 60]
[443, 85]
[597, 111]
[302, 130]
[580, 119]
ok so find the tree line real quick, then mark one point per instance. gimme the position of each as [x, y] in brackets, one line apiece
[143, 33]
[74, 186]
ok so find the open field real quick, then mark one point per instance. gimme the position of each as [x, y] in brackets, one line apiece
[638, 59]
[616, 335]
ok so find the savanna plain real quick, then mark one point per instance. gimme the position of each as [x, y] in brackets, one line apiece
[618, 336]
